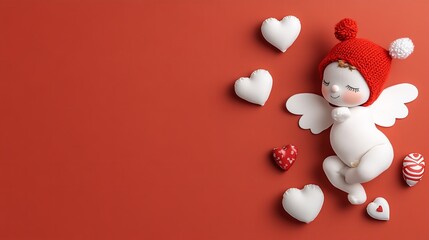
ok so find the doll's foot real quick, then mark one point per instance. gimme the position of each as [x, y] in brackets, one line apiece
[335, 169]
[358, 196]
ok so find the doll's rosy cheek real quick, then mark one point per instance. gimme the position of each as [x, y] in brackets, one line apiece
[352, 98]
[325, 90]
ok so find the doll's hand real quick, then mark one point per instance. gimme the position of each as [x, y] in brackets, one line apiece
[340, 114]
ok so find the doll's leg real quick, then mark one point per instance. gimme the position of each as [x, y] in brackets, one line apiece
[333, 168]
[371, 165]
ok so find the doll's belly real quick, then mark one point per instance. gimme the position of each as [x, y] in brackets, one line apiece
[350, 141]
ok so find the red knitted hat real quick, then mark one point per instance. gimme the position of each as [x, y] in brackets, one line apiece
[370, 59]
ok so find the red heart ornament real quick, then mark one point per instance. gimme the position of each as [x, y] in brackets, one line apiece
[379, 209]
[285, 156]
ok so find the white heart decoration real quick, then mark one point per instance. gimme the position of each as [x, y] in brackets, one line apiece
[281, 34]
[379, 209]
[304, 205]
[255, 89]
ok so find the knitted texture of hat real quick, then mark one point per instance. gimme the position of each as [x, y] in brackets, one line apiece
[372, 61]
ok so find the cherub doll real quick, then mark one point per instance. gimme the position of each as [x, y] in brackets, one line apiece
[353, 74]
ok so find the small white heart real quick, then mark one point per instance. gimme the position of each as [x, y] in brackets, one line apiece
[379, 209]
[255, 89]
[304, 205]
[281, 34]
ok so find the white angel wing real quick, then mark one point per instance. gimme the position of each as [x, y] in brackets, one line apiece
[315, 111]
[390, 105]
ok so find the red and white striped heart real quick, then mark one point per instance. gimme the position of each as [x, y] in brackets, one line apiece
[413, 168]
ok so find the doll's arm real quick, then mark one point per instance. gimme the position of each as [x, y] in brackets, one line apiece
[340, 114]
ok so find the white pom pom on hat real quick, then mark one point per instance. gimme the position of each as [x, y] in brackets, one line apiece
[401, 48]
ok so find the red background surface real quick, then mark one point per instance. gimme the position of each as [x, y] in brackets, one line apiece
[119, 120]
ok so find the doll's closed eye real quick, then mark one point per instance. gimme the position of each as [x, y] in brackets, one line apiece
[350, 88]
[325, 83]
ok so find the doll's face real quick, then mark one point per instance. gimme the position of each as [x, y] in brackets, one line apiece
[344, 87]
